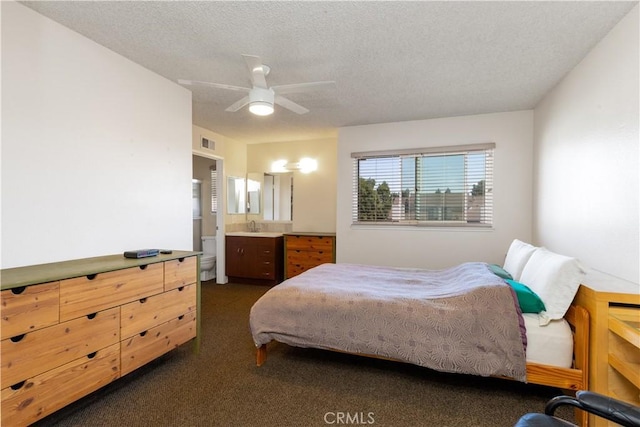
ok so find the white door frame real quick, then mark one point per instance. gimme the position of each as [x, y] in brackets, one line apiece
[221, 277]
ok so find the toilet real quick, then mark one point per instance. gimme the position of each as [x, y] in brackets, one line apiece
[208, 259]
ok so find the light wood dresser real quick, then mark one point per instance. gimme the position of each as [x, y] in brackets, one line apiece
[303, 251]
[69, 328]
[614, 346]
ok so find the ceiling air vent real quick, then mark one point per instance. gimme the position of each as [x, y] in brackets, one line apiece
[209, 144]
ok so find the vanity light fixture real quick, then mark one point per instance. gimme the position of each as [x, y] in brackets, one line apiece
[305, 165]
[279, 166]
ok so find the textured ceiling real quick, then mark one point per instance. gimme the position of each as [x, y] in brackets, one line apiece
[391, 61]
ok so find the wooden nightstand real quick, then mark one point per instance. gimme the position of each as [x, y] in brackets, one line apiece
[614, 347]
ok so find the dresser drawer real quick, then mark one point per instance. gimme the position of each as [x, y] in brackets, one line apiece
[310, 258]
[48, 348]
[180, 272]
[266, 269]
[309, 243]
[144, 314]
[89, 294]
[44, 394]
[266, 246]
[26, 309]
[295, 269]
[147, 346]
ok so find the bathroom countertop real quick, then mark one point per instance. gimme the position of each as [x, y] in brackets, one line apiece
[254, 234]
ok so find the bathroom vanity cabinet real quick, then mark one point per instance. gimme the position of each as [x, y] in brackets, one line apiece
[254, 259]
[69, 328]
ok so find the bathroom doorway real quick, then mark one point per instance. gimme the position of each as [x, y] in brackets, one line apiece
[207, 175]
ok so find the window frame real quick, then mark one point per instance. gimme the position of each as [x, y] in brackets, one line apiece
[485, 205]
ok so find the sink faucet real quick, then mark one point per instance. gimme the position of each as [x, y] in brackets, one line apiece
[252, 226]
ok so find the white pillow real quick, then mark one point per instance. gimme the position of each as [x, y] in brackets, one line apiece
[517, 256]
[555, 278]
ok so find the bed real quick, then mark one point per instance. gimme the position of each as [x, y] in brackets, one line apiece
[464, 319]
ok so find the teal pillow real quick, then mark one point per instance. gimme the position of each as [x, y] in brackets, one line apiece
[499, 271]
[529, 301]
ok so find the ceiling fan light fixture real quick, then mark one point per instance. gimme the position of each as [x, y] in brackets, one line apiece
[261, 108]
[261, 101]
[261, 98]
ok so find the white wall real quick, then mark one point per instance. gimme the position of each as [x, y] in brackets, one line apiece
[440, 248]
[314, 194]
[96, 150]
[586, 151]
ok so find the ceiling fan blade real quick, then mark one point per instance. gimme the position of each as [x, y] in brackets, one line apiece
[290, 105]
[216, 85]
[237, 105]
[304, 87]
[254, 64]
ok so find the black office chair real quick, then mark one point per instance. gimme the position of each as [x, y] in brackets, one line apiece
[602, 406]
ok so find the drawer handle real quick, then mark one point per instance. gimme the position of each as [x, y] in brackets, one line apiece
[17, 338]
[92, 316]
[143, 267]
[143, 333]
[18, 386]
[18, 291]
[181, 288]
[91, 276]
[92, 355]
[143, 300]
[180, 259]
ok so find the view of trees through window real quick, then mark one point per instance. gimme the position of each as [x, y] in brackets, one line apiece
[450, 187]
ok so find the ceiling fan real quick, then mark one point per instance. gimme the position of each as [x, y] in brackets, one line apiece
[260, 96]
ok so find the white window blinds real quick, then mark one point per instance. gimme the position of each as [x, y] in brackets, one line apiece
[214, 191]
[440, 186]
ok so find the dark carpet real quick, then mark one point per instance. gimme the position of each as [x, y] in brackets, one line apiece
[221, 386]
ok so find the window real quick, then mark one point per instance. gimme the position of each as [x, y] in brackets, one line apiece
[214, 191]
[441, 186]
[195, 199]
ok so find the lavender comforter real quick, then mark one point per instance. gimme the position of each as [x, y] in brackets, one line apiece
[463, 319]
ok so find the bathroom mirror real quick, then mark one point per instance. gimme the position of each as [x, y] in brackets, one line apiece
[254, 182]
[236, 195]
[278, 196]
